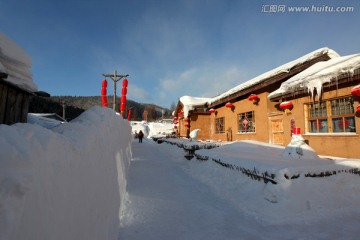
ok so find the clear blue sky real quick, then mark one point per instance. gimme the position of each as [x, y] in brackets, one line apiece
[170, 48]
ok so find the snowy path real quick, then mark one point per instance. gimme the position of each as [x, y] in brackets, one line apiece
[164, 202]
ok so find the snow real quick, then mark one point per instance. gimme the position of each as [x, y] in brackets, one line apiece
[88, 179]
[283, 68]
[66, 182]
[152, 129]
[190, 103]
[16, 63]
[322, 72]
[170, 197]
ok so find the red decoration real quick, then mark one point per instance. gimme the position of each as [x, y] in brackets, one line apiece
[297, 131]
[175, 119]
[103, 94]
[125, 83]
[129, 114]
[286, 106]
[358, 109]
[123, 97]
[103, 91]
[356, 91]
[229, 105]
[254, 98]
[104, 83]
[122, 107]
[175, 127]
[124, 91]
[212, 110]
[187, 124]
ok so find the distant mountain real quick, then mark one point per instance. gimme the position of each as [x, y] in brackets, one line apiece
[75, 105]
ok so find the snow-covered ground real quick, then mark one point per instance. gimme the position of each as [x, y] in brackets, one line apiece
[170, 197]
[151, 129]
[66, 182]
[71, 181]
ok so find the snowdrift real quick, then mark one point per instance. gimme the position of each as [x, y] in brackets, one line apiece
[64, 183]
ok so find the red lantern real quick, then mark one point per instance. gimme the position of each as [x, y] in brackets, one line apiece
[356, 91]
[358, 109]
[104, 83]
[175, 119]
[254, 98]
[129, 114]
[122, 107]
[286, 106]
[125, 83]
[123, 99]
[103, 93]
[175, 127]
[229, 105]
[212, 110]
[186, 124]
[124, 91]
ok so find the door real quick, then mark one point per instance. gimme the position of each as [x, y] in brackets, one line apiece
[277, 131]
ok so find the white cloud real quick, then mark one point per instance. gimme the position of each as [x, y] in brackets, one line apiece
[206, 81]
[138, 94]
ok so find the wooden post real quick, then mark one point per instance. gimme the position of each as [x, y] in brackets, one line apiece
[115, 77]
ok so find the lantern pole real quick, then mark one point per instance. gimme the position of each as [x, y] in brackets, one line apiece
[115, 77]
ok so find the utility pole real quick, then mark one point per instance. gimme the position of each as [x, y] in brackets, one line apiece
[115, 77]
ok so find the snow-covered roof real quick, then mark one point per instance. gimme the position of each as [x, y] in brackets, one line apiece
[191, 102]
[283, 68]
[16, 63]
[315, 76]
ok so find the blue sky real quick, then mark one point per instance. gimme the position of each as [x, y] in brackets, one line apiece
[170, 48]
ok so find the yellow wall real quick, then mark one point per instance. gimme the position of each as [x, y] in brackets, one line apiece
[344, 145]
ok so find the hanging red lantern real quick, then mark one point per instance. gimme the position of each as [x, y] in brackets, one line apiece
[175, 127]
[129, 114]
[104, 83]
[212, 110]
[186, 124]
[286, 106]
[123, 99]
[175, 119]
[124, 91]
[254, 98]
[229, 105]
[358, 109]
[122, 107]
[356, 91]
[125, 83]
[103, 94]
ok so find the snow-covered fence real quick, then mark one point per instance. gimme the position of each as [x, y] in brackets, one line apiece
[264, 162]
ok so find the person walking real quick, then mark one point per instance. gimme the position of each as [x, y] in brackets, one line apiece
[140, 136]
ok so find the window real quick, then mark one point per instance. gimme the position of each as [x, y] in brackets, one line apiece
[220, 125]
[332, 116]
[246, 122]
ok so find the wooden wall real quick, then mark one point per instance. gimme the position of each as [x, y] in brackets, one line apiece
[14, 104]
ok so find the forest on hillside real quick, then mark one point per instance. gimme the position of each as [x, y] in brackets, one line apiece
[71, 107]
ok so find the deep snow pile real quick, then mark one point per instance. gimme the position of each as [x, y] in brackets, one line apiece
[63, 183]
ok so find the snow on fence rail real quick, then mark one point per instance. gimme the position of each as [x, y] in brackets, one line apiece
[264, 162]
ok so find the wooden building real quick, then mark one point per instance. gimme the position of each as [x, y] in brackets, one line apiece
[251, 111]
[16, 84]
[14, 102]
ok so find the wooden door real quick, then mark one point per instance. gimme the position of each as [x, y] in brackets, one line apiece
[277, 131]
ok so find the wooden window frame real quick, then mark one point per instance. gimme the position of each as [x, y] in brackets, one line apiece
[219, 129]
[252, 121]
[330, 110]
